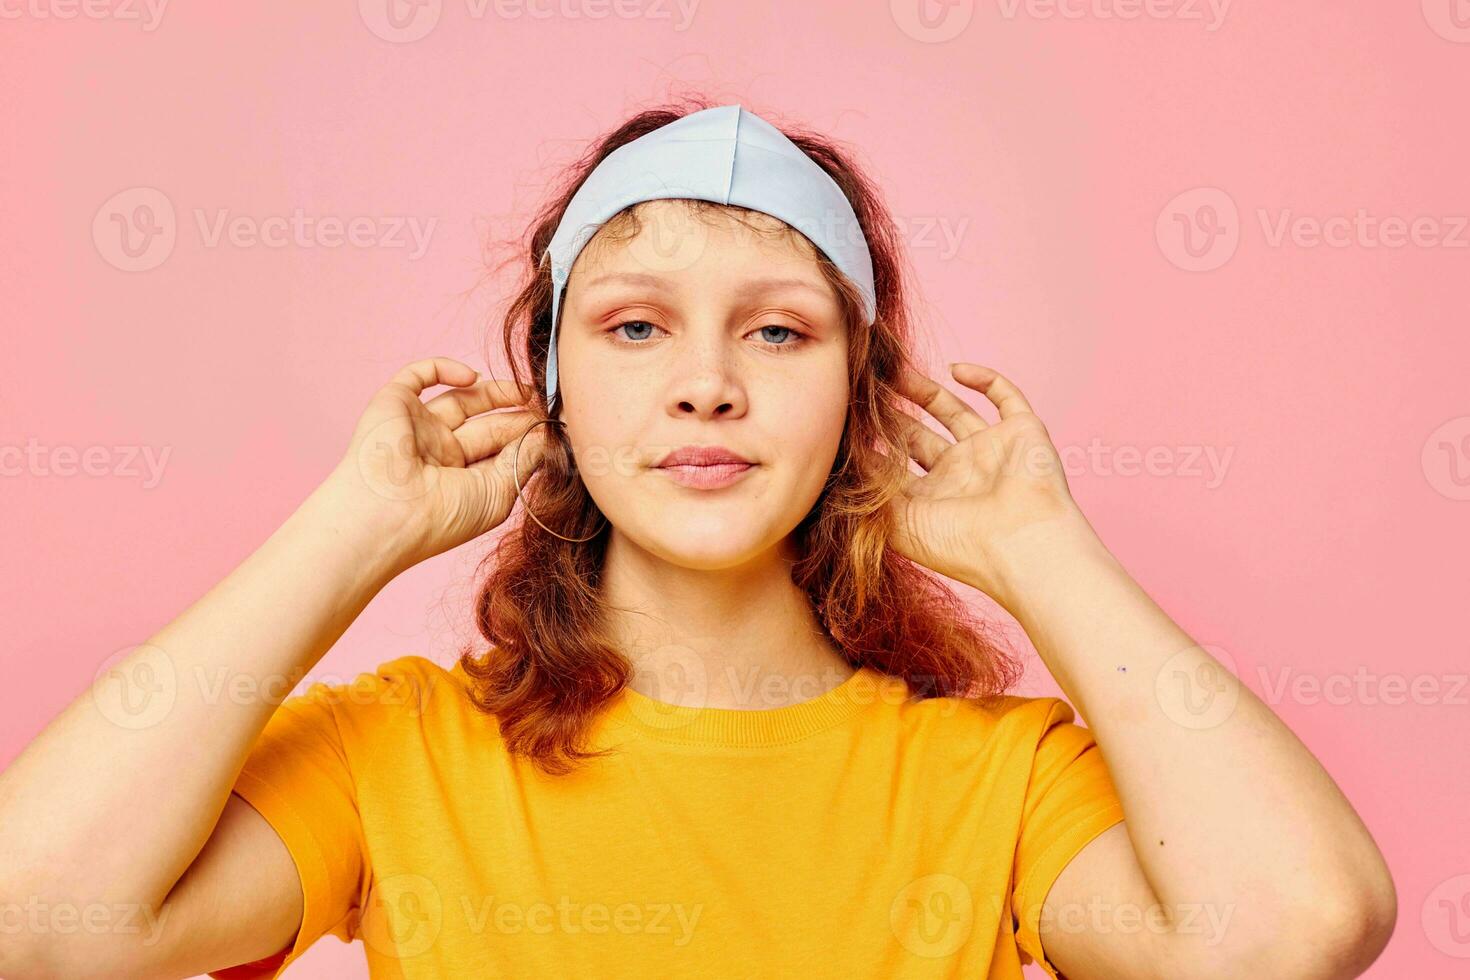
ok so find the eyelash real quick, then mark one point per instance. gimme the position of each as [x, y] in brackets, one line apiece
[800, 338]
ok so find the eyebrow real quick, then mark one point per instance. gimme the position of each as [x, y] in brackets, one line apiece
[746, 287]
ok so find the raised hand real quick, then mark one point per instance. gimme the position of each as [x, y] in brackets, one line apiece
[432, 475]
[996, 481]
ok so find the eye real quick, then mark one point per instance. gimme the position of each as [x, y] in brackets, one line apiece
[772, 335]
[638, 327]
[776, 335]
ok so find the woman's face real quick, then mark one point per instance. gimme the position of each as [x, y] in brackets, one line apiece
[699, 332]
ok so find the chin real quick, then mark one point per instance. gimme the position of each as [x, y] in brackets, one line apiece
[705, 541]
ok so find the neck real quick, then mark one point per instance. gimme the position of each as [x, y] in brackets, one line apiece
[741, 637]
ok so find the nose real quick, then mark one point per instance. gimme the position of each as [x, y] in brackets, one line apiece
[704, 382]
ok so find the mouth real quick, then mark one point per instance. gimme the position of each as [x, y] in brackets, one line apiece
[704, 467]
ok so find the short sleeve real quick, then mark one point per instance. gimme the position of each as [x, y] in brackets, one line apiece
[297, 776]
[1070, 799]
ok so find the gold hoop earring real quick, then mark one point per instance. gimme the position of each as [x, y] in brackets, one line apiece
[516, 474]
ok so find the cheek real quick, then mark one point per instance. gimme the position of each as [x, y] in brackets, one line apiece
[605, 445]
[809, 419]
[826, 435]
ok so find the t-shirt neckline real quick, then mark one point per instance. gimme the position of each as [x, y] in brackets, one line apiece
[740, 727]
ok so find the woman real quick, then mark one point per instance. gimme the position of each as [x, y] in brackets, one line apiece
[728, 722]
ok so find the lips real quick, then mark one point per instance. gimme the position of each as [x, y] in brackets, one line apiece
[704, 467]
[702, 456]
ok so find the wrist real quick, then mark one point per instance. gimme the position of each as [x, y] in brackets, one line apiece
[1041, 560]
[376, 546]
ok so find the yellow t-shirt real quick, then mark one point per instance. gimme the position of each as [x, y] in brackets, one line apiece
[860, 833]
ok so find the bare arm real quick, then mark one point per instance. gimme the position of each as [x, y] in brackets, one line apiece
[1233, 829]
[97, 812]
[1233, 832]
[116, 799]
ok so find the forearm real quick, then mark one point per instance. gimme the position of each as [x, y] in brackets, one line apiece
[1225, 806]
[114, 799]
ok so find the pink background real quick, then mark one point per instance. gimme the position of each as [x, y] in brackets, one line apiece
[1063, 156]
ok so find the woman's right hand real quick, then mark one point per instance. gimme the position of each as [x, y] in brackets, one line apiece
[428, 476]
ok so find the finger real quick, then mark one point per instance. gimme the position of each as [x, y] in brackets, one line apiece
[488, 434]
[910, 479]
[924, 444]
[433, 371]
[993, 385]
[520, 458]
[457, 404]
[959, 418]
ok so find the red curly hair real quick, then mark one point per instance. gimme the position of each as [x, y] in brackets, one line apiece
[552, 666]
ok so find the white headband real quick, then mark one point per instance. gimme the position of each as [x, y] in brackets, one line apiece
[728, 155]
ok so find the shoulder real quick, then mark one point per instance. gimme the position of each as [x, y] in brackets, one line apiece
[1005, 726]
[1010, 714]
[408, 687]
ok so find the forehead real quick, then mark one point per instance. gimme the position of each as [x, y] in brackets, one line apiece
[694, 228]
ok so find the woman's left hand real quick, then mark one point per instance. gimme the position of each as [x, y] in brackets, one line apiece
[966, 514]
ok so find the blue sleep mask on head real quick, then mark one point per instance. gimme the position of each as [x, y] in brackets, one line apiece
[727, 155]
